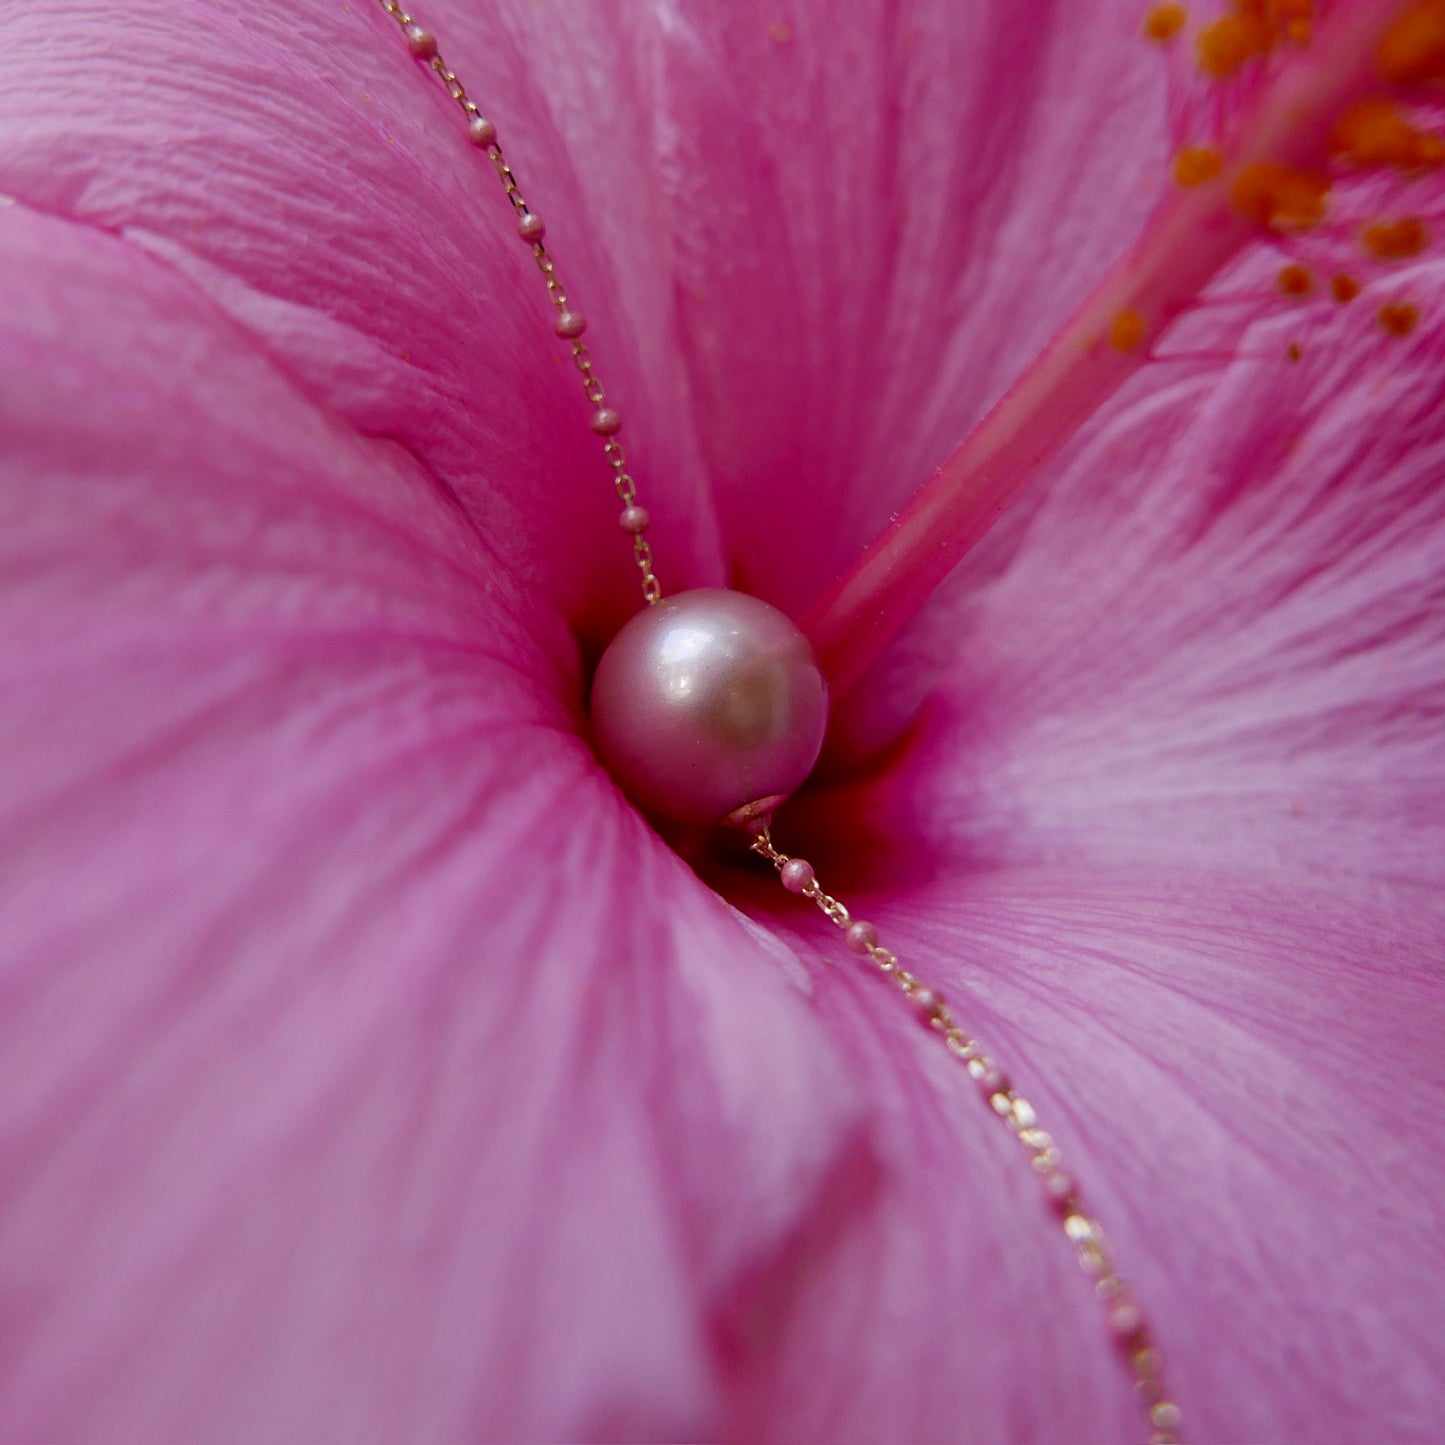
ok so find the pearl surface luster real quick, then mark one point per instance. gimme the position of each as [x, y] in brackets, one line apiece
[706, 702]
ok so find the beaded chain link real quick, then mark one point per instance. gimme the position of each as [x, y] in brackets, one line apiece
[569, 323]
[1126, 1322]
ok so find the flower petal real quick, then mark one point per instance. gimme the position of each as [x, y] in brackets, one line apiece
[878, 226]
[305, 172]
[1174, 827]
[1246, 1081]
[769, 196]
[1243, 665]
[367, 1069]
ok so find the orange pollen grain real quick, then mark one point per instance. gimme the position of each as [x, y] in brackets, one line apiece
[1196, 164]
[1164, 22]
[1292, 351]
[1126, 331]
[1232, 42]
[1394, 240]
[1295, 280]
[1399, 318]
[1412, 50]
[1372, 132]
[1296, 19]
[1345, 288]
[1281, 197]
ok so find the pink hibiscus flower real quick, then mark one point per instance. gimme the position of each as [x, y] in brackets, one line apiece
[369, 1069]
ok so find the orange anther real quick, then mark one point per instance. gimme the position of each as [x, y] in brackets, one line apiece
[1227, 44]
[1292, 352]
[1196, 164]
[1372, 132]
[1413, 48]
[1295, 280]
[1399, 318]
[1345, 288]
[1280, 196]
[1126, 331]
[1429, 149]
[1394, 240]
[1164, 22]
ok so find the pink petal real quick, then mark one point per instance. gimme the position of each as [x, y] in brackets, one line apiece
[1181, 799]
[1240, 664]
[755, 202]
[367, 1070]
[877, 227]
[257, 1179]
[1246, 1080]
[299, 168]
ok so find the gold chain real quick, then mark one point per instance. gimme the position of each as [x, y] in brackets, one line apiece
[1125, 1318]
[569, 323]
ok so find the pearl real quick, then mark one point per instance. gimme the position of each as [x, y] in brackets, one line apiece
[421, 42]
[706, 702]
[797, 875]
[1126, 1323]
[927, 1001]
[1060, 1190]
[1166, 1415]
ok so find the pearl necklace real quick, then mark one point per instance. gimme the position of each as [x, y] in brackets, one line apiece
[709, 707]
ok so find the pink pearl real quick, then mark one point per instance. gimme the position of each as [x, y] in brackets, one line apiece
[860, 937]
[634, 519]
[927, 1001]
[569, 324]
[797, 874]
[1060, 1190]
[1166, 1415]
[531, 228]
[482, 131]
[1126, 1322]
[706, 702]
[606, 422]
[422, 43]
